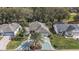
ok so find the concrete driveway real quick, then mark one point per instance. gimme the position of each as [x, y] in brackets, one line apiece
[4, 41]
[47, 45]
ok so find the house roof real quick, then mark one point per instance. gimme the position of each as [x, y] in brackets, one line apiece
[60, 27]
[38, 26]
[14, 26]
[70, 27]
[9, 27]
[65, 27]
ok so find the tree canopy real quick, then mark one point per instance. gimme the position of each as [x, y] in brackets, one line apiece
[24, 15]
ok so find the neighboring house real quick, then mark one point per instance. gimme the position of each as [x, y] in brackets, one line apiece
[67, 30]
[40, 28]
[9, 29]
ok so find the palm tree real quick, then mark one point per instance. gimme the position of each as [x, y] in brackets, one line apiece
[37, 40]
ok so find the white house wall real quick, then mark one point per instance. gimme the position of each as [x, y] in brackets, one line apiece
[55, 28]
[17, 30]
[76, 36]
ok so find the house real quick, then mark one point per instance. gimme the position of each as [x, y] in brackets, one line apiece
[39, 27]
[67, 30]
[9, 29]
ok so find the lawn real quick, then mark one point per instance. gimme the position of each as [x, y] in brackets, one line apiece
[59, 42]
[15, 42]
[71, 17]
[1, 37]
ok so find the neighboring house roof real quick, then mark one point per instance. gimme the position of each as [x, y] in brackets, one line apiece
[60, 27]
[65, 27]
[9, 27]
[38, 27]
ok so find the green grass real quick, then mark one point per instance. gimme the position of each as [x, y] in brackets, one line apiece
[15, 43]
[59, 42]
[1, 37]
[71, 17]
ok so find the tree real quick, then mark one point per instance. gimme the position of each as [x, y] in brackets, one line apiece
[37, 40]
[14, 14]
[57, 13]
[49, 15]
[76, 17]
[38, 14]
[25, 15]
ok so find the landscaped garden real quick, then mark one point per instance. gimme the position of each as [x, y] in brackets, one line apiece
[60, 42]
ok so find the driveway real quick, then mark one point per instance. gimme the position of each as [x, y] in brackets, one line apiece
[47, 45]
[4, 41]
[23, 44]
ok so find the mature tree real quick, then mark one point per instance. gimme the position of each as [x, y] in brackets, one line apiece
[11, 14]
[57, 13]
[76, 17]
[24, 15]
[37, 40]
[49, 15]
[38, 14]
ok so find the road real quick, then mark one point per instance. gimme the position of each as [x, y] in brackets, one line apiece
[3, 42]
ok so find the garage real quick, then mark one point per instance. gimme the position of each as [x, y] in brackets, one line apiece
[8, 34]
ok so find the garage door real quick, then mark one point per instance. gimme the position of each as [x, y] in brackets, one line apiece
[8, 34]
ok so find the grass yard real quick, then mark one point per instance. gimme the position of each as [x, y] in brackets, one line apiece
[59, 42]
[1, 37]
[16, 42]
[13, 44]
[71, 17]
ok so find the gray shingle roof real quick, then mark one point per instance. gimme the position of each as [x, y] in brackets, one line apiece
[65, 27]
[9, 27]
[14, 26]
[38, 27]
